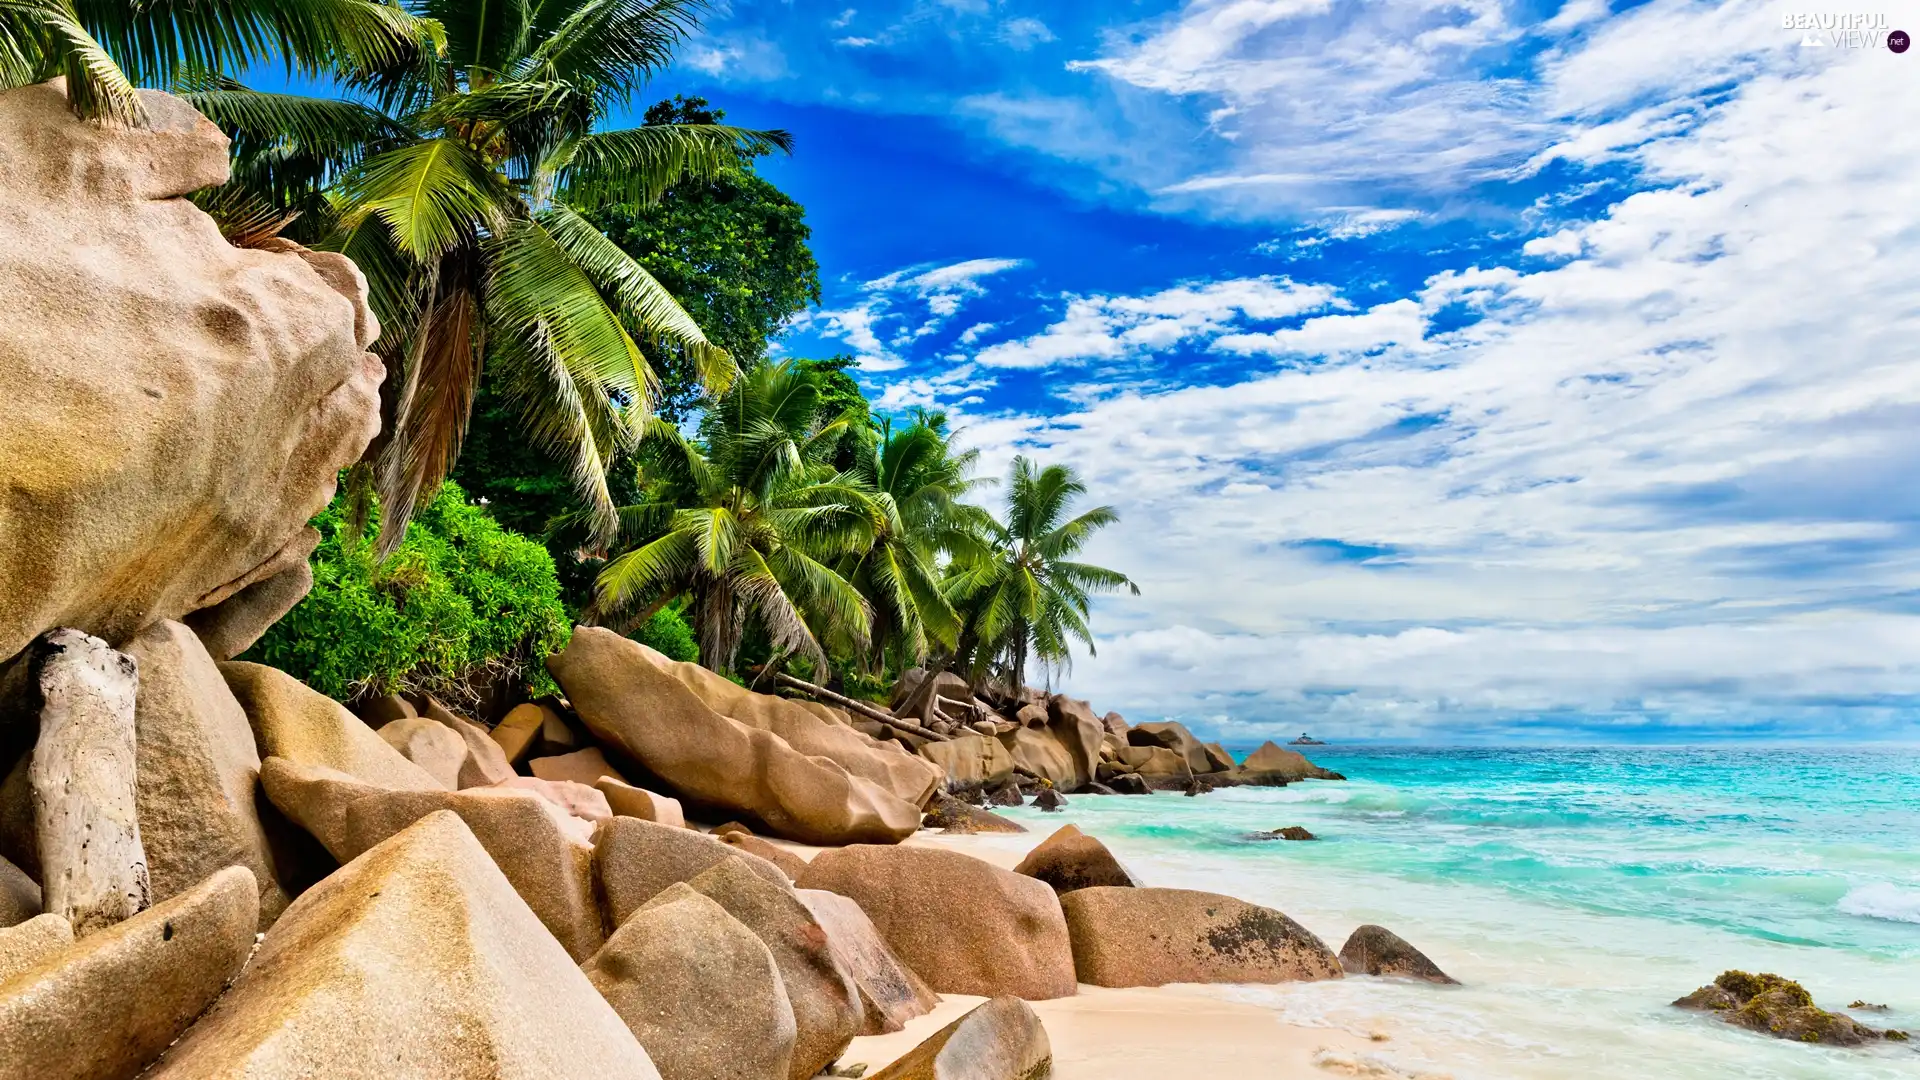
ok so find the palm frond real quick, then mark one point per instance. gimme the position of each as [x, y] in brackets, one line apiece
[49, 37]
[433, 195]
[639, 164]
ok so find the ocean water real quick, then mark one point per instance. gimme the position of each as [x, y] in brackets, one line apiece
[1575, 893]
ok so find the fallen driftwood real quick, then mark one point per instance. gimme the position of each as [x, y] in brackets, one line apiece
[871, 712]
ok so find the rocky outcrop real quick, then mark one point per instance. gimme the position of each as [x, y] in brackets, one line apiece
[176, 408]
[964, 925]
[107, 1005]
[1151, 937]
[628, 701]
[1001, 1039]
[1036, 751]
[790, 864]
[625, 800]
[308, 728]
[1072, 724]
[1780, 1007]
[198, 776]
[971, 761]
[438, 749]
[485, 764]
[366, 973]
[1070, 860]
[951, 815]
[1174, 736]
[588, 766]
[24, 946]
[1376, 950]
[518, 732]
[1275, 765]
[634, 861]
[890, 993]
[698, 989]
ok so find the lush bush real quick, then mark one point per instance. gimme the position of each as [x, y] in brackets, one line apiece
[461, 604]
[667, 632]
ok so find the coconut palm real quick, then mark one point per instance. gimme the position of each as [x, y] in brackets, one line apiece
[1025, 598]
[105, 48]
[917, 478]
[747, 522]
[457, 179]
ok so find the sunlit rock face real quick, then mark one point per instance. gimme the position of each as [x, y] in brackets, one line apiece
[172, 409]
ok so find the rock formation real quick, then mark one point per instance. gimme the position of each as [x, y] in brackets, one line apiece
[1070, 860]
[889, 990]
[1780, 1007]
[1150, 937]
[1376, 950]
[999, 1040]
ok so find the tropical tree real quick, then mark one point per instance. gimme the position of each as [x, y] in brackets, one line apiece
[459, 179]
[918, 479]
[747, 522]
[1025, 597]
[105, 48]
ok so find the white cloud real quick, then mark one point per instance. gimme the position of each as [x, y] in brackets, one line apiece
[1400, 322]
[1025, 33]
[904, 306]
[1113, 327]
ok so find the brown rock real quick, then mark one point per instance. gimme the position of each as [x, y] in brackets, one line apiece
[1160, 767]
[970, 761]
[436, 748]
[1001, 1039]
[628, 801]
[1275, 765]
[518, 730]
[557, 737]
[485, 763]
[948, 813]
[1376, 950]
[789, 863]
[827, 1009]
[1151, 937]
[1115, 724]
[1175, 737]
[635, 860]
[1070, 859]
[304, 726]
[890, 993]
[581, 767]
[234, 625]
[19, 895]
[1031, 715]
[577, 800]
[543, 855]
[699, 990]
[381, 711]
[106, 1006]
[1218, 760]
[964, 925]
[630, 702]
[1772, 1005]
[1037, 751]
[922, 705]
[415, 960]
[1129, 784]
[23, 946]
[198, 778]
[1072, 724]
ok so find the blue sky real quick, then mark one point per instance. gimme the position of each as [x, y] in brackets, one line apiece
[1462, 369]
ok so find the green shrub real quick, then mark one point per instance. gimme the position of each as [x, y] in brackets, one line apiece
[667, 632]
[463, 602]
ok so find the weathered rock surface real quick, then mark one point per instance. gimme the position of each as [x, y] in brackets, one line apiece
[1780, 1007]
[634, 861]
[966, 926]
[1162, 769]
[232, 626]
[587, 767]
[1218, 760]
[23, 946]
[1376, 950]
[1175, 737]
[547, 861]
[1001, 1039]
[176, 408]
[1129, 784]
[578, 801]
[827, 1008]
[628, 801]
[366, 973]
[294, 722]
[970, 761]
[789, 863]
[922, 702]
[1070, 859]
[698, 989]
[1151, 937]
[19, 895]
[890, 993]
[1038, 752]
[85, 808]
[438, 749]
[485, 763]
[629, 701]
[1273, 764]
[948, 813]
[519, 730]
[198, 776]
[104, 1007]
[1072, 724]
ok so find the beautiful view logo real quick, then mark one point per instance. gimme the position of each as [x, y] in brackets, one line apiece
[1859, 30]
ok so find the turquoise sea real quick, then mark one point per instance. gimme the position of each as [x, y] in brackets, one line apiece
[1575, 892]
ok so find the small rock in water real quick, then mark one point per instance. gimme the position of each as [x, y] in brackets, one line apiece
[1291, 832]
[1129, 784]
[1376, 950]
[1050, 799]
[1867, 1007]
[1199, 786]
[1007, 794]
[1780, 1007]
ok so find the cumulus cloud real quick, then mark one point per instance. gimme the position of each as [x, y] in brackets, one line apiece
[1112, 327]
[904, 306]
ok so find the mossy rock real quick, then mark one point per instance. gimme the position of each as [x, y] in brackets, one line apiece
[1778, 1006]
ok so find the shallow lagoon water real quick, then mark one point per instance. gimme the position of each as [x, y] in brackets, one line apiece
[1575, 892]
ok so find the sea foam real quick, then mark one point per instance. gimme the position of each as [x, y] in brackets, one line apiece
[1883, 901]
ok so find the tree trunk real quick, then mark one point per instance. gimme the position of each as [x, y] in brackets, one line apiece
[93, 867]
[1019, 661]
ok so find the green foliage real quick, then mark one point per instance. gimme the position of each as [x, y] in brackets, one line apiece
[667, 632]
[461, 600]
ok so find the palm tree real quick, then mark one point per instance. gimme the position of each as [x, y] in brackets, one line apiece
[746, 522]
[105, 48]
[917, 479]
[457, 179]
[1025, 597]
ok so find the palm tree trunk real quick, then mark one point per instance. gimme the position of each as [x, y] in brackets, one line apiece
[1019, 660]
[719, 613]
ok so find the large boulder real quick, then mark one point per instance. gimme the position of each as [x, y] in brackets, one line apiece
[1376, 950]
[107, 1005]
[1218, 759]
[176, 408]
[789, 863]
[19, 895]
[699, 990]
[1162, 769]
[1070, 860]
[827, 1008]
[1776, 1006]
[23, 946]
[416, 959]
[634, 861]
[1151, 937]
[1072, 724]
[965, 925]
[629, 701]
[1001, 1039]
[1275, 765]
[890, 992]
[292, 721]
[625, 800]
[960, 818]
[1175, 737]
[198, 776]
[970, 761]
[438, 749]
[544, 854]
[1038, 752]
[485, 764]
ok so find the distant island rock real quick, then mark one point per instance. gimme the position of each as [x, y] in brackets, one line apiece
[1306, 740]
